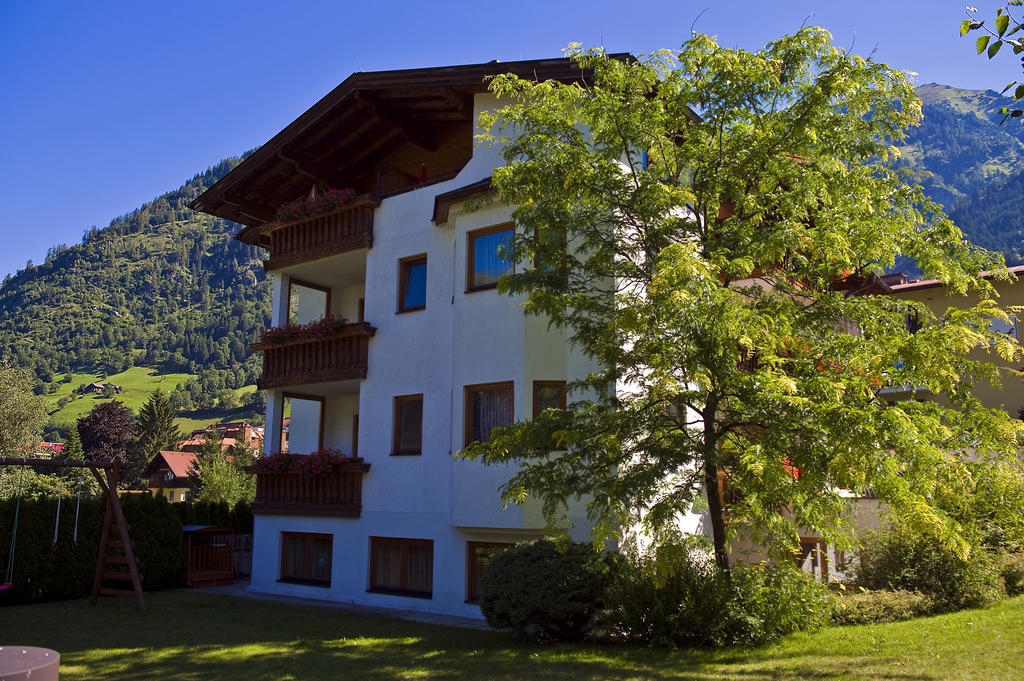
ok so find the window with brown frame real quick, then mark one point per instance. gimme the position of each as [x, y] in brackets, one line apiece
[402, 566]
[307, 302]
[487, 406]
[477, 555]
[304, 415]
[548, 395]
[306, 558]
[489, 257]
[407, 436]
[412, 283]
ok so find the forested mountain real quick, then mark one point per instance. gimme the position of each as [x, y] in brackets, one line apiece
[975, 164]
[162, 286]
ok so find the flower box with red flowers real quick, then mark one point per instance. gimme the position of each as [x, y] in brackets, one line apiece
[314, 204]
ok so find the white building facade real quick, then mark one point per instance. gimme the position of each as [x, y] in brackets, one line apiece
[432, 357]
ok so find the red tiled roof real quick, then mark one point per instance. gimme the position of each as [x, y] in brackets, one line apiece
[178, 462]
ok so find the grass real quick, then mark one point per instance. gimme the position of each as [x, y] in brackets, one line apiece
[136, 383]
[190, 635]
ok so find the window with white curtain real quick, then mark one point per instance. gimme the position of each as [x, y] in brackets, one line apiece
[488, 406]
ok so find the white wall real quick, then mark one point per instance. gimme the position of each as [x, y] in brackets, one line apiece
[459, 339]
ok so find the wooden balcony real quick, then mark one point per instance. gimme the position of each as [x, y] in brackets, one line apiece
[318, 237]
[338, 357]
[339, 495]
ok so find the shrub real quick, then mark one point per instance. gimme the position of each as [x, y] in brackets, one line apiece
[897, 558]
[1011, 571]
[872, 607]
[677, 596]
[546, 589]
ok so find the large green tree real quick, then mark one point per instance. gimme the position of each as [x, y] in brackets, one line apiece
[154, 427]
[22, 414]
[707, 226]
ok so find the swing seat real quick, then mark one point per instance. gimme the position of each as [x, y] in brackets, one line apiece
[6, 586]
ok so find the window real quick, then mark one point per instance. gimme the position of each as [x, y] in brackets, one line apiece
[408, 431]
[487, 406]
[302, 421]
[412, 283]
[307, 302]
[489, 257]
[306, 558]
[548, 395]
[1008, 327]
[402, 566]
[477, 555]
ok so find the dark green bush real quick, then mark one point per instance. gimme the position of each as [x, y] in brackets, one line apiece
[677, 596]
[546, 590]
[42, 573]
[874, 607]
[899, 559]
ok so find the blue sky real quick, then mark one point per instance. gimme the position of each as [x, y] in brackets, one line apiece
[106, 105]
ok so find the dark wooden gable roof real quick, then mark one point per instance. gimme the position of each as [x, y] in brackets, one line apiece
[403, 122]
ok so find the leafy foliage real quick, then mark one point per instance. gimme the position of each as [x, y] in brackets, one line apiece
[219, 474]
[704, 267]
[546, 589]
[900, 558]
[106, 433]
[1005, 26]
[677, 596]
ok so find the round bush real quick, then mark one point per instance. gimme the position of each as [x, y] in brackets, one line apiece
[545, 589]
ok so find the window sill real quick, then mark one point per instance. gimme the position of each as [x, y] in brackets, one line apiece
[305, 582]
[417, 308]
[484, 287]
[400, 592]
[416, 453]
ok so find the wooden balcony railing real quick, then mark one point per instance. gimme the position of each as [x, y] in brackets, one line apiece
[323, 235]
[339, 495]
[340, 356]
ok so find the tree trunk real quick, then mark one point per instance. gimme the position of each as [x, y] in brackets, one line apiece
[711, 485]
[717, 517]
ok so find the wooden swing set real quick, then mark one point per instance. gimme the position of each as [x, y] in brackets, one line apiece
[115, 549]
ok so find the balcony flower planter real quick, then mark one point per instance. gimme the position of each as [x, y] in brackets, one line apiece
[334, 489]
[318, 330]
[314, 205]
[335, 355]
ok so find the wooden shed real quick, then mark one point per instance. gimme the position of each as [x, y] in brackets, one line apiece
[209, 555]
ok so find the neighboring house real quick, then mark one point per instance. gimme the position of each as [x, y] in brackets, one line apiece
[826, 561]
[433, 356]
[168, 475]
[230, 432]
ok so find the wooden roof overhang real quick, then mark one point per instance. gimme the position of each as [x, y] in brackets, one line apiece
[397, 122]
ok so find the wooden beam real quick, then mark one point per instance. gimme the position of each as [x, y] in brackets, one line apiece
[462, 103]
[250, 208]
[421, 136]
[129, 552]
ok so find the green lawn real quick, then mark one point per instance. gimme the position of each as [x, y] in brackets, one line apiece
[136, 383]
[186, 636]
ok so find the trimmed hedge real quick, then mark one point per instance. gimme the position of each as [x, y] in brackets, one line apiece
[43, 572]
[237, 517]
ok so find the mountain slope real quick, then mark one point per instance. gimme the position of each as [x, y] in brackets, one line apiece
[161, 287]
[976, 165]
